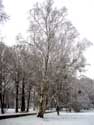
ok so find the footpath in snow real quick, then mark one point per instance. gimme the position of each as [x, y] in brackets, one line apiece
[53, 119]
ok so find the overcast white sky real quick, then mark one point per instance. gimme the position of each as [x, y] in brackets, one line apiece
[80, 13]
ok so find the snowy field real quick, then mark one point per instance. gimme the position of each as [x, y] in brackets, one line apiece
[12, 111]
[53, 119]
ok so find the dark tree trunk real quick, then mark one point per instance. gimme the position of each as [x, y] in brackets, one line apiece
[7, 100]
[17, 94]
[23, 96]
[2, 103]
[28, 99]
[1, 96]
[34, 101]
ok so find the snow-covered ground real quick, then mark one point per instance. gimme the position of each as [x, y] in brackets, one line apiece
[12, 111]
[53, 119]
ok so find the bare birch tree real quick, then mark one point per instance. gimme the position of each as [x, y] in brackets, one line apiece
[56, 42]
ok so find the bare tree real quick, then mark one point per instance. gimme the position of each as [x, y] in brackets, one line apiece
[4, 73]
[3, 15]
[56, 42]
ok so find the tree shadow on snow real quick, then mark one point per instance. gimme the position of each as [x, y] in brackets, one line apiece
[62, 117]
[53, 118]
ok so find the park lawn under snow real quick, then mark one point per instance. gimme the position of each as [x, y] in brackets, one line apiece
[12, 112]
[53, 119]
